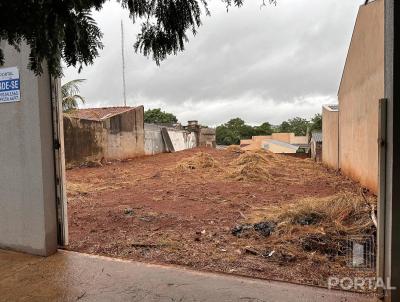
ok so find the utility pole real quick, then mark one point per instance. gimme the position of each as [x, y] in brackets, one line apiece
[123, 62]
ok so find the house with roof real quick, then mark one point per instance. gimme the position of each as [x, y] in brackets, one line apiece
[110, 133]
[350, 130]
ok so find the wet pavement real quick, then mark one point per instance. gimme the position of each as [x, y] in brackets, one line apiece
[70, 276]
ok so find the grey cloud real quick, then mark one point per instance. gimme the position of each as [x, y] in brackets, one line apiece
[268, 64]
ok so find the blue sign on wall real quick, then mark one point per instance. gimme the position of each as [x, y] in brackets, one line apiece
[9, 85]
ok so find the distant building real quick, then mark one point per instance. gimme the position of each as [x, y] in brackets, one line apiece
[351, 132]
[285, 143]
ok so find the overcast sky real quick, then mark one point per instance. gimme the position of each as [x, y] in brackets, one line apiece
[266, 64]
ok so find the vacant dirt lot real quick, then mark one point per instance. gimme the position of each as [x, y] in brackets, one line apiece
[161, 209]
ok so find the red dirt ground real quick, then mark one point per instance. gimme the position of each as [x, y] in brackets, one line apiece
[144, 209]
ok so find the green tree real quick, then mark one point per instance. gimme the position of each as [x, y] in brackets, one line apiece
[233, 131]
[299, 126]
[65, 29]
[225, 136]
[284, 127]
[296, 125]
[156, 116]
[316, 123]
[70, 95]
[264, 129]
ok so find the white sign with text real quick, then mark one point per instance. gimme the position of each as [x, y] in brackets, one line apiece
[9, 85]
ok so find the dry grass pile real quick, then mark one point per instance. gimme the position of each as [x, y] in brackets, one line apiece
[250, 166]
[270, 156]
[234, 149]
[75, 189]
[200, 160]
[85, 188]
[249, 172]
[319, 225]
[249, 158]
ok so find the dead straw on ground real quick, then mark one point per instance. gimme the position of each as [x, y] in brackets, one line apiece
[199, 161]
[249, 166]
[234, 149]
[318, 225]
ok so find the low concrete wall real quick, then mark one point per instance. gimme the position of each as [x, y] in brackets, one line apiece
[119, 137]
[154, 143]
[182, 140]
[125, 135]
[84, 141]
[330, 133]
[299, 140]
[275, 147]
[207, 137]
[28, 219]
[256, 142]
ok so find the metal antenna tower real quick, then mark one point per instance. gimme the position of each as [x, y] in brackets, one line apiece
[123, 61]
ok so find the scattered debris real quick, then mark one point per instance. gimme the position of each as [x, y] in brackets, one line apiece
[81, 296]
[325, 244]
[270, 254]
[252, 251]
[298, 237]
[91, 164]
[274, 256]
[129, 212]
[240, 230]
[285, 257]
[264, 228]
[320, 225]
[308, 219]
[242, 215]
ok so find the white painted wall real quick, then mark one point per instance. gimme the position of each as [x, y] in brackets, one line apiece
[154, 143]
[181, 140]
[27, 183]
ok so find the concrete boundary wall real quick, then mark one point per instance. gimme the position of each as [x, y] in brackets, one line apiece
[154, 143]
[330, 134]
[117, 137]
[28, 220]
[361, 88]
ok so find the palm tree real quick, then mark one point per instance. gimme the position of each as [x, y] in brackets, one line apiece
[70, 95]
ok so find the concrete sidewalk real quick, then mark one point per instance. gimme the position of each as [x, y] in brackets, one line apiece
[69, 276]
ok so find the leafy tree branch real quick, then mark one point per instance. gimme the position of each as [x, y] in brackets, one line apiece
[65, 29]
